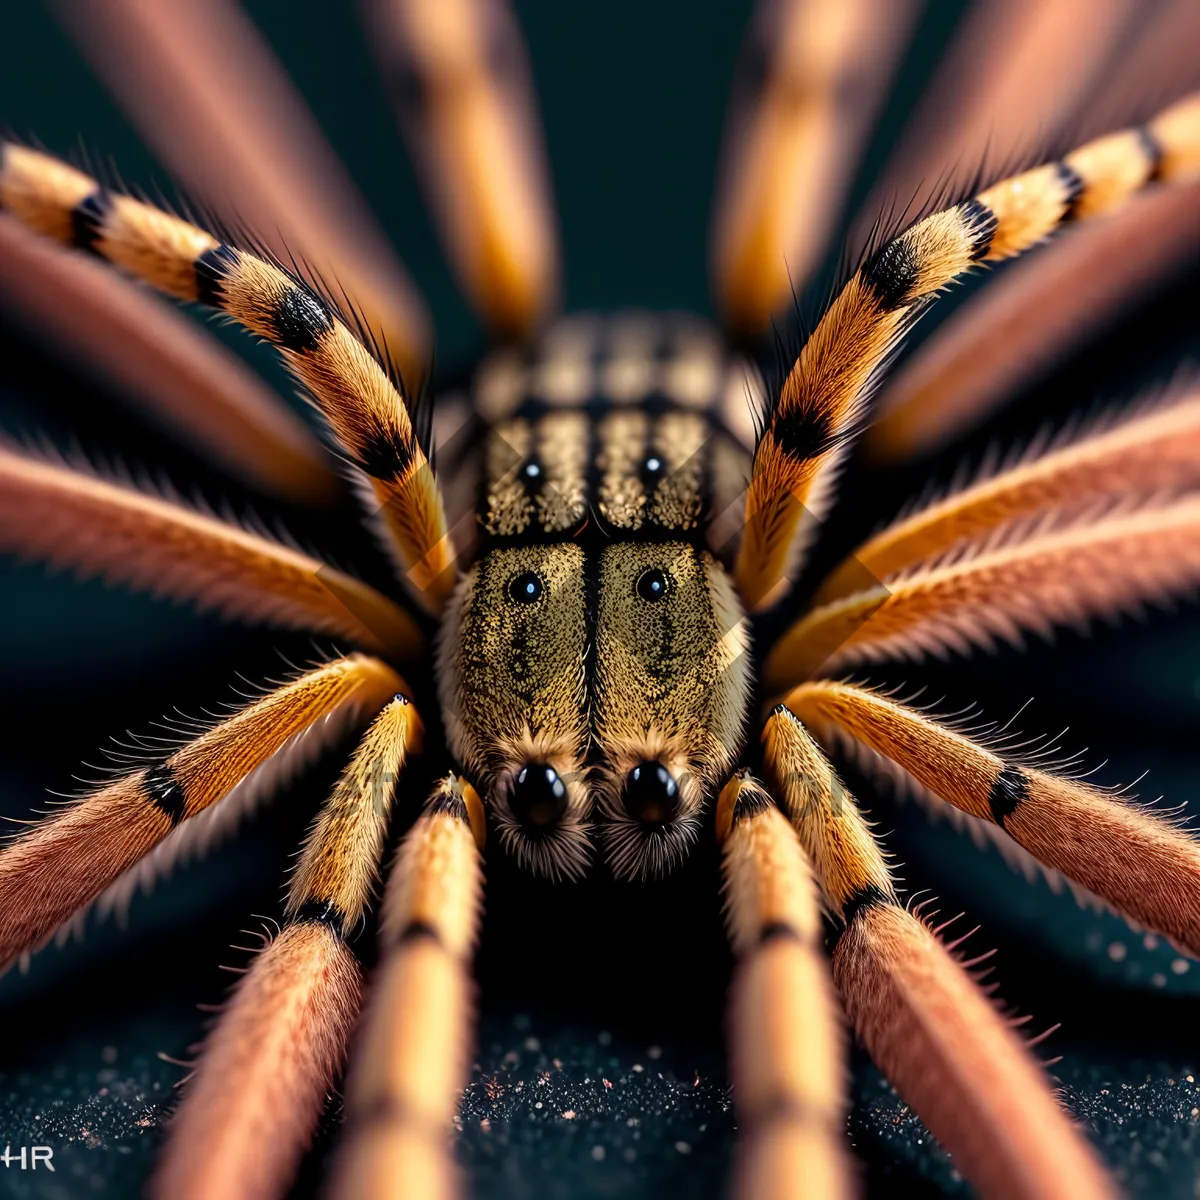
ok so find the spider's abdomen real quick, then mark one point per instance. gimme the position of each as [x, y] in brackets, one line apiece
[596, 653]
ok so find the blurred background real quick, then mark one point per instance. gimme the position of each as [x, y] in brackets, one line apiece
[603, 1001]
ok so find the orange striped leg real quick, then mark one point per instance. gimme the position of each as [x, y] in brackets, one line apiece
[1015, 74]
[1139, 862]
[204, 89]
[824, 396]
[460, 80]
[361, 403]
[937, 1038]
[182, 378]
[1042, 309]
[65, 861]
[786, 1040]
[71, 519]
[1034, 316]
[409, 1065]
[253, 1103]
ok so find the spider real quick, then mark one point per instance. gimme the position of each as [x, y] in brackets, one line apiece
[600, 607]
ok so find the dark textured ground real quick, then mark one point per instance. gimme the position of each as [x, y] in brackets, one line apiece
[599, 1070]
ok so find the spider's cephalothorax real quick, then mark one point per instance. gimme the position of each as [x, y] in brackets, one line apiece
[595, 653]
[632, 499]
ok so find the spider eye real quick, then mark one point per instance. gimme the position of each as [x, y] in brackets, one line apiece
[539, 797]
[651, 795]
[652, 585]
[526, 588]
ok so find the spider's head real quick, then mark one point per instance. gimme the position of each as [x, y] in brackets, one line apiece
[619, 676]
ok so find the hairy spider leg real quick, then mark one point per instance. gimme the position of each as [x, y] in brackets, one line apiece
[810, 81]
[824, 396]
[930, 1029]
[252, 1104]
[66, 861]
[205, 90]
[1063, 576]
[1015, 70]
[460, 83]
[409, 1063]
[362, 405]
[181, 377]
[96, 528]
[1152, 453]
[1031, 317]
[1138, 861]
[785, 1031]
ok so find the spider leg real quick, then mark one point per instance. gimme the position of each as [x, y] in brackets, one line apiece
[1067, 576]
[824, 397]
[363, 407]
[75, 520]
[252, 1105]
[205, 90]
[1139, 862]
[947, 1050]
[462, 90]
[1150, 454]
[1030, 318]
[1044, 308]
[811, 79]
[183, 379]
[786, 1038]
[408, 1067]
[1016, 70]
[65, 861]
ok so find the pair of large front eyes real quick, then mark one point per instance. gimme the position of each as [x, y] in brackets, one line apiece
[527, 588]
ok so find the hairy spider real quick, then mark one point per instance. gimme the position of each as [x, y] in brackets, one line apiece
[600, 591]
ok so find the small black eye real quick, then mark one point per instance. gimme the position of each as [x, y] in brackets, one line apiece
[651, 796]
[652, 585]
[653, 465]
[532, 470]
[539, 797]
[526, 588]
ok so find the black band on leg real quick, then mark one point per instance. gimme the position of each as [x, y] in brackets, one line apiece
[1009, 789]
[166, 792]
[212, 268]
[87, 220]
[320, 912]
[865, 898]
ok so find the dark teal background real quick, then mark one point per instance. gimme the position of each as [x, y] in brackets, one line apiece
[632, 97]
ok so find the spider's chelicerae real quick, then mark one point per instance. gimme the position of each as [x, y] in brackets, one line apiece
[600, 594]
